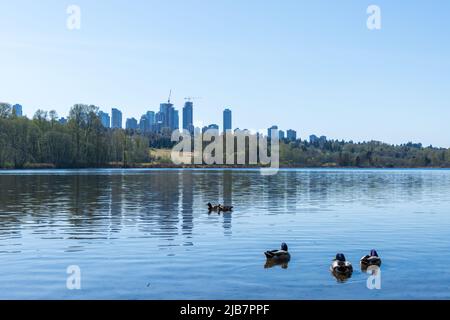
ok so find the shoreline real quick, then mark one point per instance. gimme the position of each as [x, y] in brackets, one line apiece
[224, 167]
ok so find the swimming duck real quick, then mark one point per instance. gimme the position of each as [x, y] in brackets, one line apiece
[341, 268]
[281, 255]
[225, 208]
[372, 259]
[213, 208]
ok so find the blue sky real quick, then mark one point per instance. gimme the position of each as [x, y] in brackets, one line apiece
[308, 65]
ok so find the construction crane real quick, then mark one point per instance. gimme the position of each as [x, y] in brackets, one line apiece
[170, 96]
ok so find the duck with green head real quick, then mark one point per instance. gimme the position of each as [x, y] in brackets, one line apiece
[372, 259]
[281, 255]
[341, 268]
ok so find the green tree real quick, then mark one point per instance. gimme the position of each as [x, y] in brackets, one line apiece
[5, 110]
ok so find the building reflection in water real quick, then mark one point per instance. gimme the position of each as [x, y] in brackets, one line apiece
[186, 185]
[86, 206]
[227, 200]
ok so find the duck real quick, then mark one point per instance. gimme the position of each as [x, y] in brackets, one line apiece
[372, 259]
[213, 208]
[341, 268]
[280, 256]
[225, 208]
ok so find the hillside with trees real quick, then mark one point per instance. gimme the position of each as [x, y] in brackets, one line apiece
[371, 154]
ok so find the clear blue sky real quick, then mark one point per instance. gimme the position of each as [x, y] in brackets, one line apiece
[308, 65]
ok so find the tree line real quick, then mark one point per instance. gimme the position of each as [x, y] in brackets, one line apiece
[81, 142]
[372, 154]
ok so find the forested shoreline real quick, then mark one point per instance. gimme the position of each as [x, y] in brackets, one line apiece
[82, 142]
[373, 154]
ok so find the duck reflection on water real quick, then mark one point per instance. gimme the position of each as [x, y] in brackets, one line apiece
[271, 264]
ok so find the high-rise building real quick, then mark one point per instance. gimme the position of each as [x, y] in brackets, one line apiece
[167, 117]
[164, 111]
[116, 122]
[269, 131]
[147, 122]
[105, 119]
[281, 134]
[17, 110]
[158, 125]
[227, 120]
[313, 138]
[131, 124]
[291, 135]
[150, 120]
[188, 116]
[212, 128]
[144, 124]
[176, 120]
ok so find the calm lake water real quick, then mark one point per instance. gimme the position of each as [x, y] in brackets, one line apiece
[146, 234]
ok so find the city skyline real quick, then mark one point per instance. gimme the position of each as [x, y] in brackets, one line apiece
[157, 122]
[314, 66]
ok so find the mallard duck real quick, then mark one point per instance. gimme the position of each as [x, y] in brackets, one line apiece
[372, 259]
[281, 255]
[225, 208]
[341, 268]
[213, 208]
